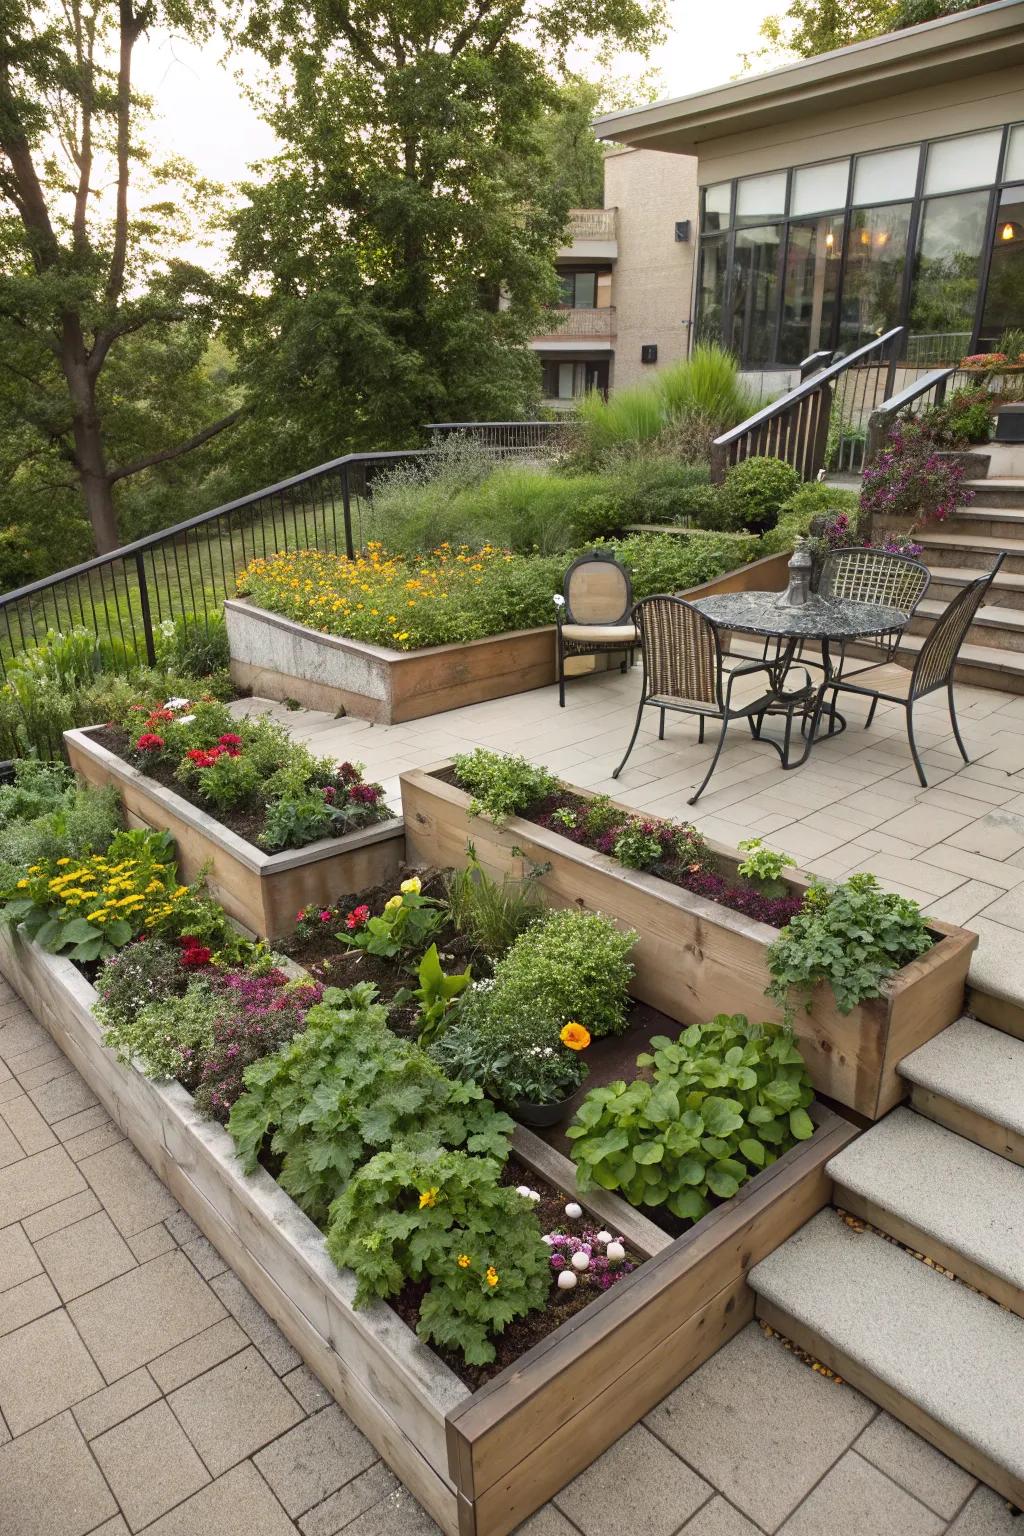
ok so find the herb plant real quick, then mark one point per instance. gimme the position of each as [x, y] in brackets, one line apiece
[570, 965]
[725, 1100]
[167, 1035]
[853, 936]
[490, 913]
[514, 1063]
[442, 1217]
[763, 867]
[501, 785]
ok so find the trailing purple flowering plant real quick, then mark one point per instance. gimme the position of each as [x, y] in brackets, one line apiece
[911, 478]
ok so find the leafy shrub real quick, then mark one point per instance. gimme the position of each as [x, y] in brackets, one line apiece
[513, 1064]
[725, 1100]
[668, 562]
[501, 785]
[344, 1089]
[754, 492]
[570, 965]
[910, 479]
[44, 814]
[144, 972]
[853, 936]
[443, 1218]
[164, 1035]
[656, 490]
[706, 387]
[195, 645]
[965, 418]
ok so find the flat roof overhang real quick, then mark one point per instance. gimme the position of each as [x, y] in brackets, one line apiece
[970, 43]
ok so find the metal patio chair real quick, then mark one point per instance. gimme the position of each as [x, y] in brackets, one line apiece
[685, 671]
[594, 612]
[861, 575]
[932, 670]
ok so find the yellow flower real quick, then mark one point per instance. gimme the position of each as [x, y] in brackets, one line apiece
[22, 884]
[411, 887]
[62, 862]
[575, 1036]
[491, 1276]
[392, 903]
[428, 1197]
[463, 1261]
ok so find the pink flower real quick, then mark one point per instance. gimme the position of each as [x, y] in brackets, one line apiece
[357, 917]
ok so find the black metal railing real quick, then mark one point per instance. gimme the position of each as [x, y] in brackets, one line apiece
[507, 436]
[926, 390]
[822, 422]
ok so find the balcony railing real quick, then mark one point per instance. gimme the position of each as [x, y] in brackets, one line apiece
[592, 224]
[574, 324]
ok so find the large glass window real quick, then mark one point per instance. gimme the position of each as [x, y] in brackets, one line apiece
[584, 290]
[714, 265]
[1014, 167]
[887, 176]
[564, 380]
[717, 203]
[760, 197]
[946, 274]
[1004, 297]
[755, 296]
[817, 188]
[972, 161]
[814, 258]
[876, 254]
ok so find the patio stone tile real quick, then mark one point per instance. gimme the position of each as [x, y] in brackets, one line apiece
[912, 872]
[805, 842]
[21, 1034]
[915, 1465]
[81, 1257]
[996, 834]
[62, 1096]
[925, 825]
[237, 1504]
[974, 866]
[836, 866]
[17, 1258]
[144, 1313]
[37, 1182]
[396, 1515]
[234, 1409]
[44, 1368]
[718, 1518]
[201, 1252]
[149, 1464]
[955, 791]
[308, 1391]
[259, 1325]
[753, 1392]
[32, 1077]
[75, 1208]
[11, 1149]
[23, 1118]
[51, 1485]
[10, 1088]
[27, 1301]
[855, 1499]
[963, 903]
[78, 1124]
[132, 1194]
[80, 1147]
[115, 1527]
[1008, 909]
[96, 1414]
[181, 1227]
[602, 1501]
[369, 1488]
[546, 1522]
[150, 1242]
[985, 1514]
[197, 1355]
[315, 1459]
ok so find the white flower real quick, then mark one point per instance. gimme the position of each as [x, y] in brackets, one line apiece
[174, 703]
[573, 1210]
[580, 1261]
[615, 1253]
[167, 627]
[566, 1280]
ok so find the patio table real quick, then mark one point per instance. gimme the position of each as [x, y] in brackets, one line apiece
[829, 621]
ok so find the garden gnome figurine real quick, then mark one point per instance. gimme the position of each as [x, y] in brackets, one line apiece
[798, 593]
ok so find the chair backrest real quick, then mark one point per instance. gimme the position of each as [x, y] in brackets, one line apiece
[681, 651]
[874, 576]
[597, 590]
[937, 657]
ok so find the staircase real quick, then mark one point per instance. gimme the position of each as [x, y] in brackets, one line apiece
[940, 1187]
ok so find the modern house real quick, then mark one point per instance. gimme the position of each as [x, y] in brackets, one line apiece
[625, 276]
[875, 186]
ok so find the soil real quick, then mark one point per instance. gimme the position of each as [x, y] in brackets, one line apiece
[525, 1332]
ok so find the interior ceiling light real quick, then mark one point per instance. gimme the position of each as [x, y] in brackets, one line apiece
[1010, 231]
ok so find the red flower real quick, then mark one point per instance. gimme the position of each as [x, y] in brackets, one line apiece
[205, 757]
[325, 916]
[348, 773]
[231, 743]
[196, 956]
[356, 918]
[148, 742]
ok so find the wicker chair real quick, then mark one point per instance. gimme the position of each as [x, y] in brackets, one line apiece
[593, 613]
[684, 671]
[932, 670]
[862, 575]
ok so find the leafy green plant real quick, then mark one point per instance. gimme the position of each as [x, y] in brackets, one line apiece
[436, 995]
[230, 782]
[853, 936]
[195, 644]
[501, 785]
[296, 818]
[763, 866]
[490, 913]
[406, 923]
[637, 845]
[568, 966]
[346, 1088]
[45, 814]
[725, 1100]
[145, 972]
[964, 418]
[754, 492]
[165, 1033]
[444, 1218]
[514, 1061]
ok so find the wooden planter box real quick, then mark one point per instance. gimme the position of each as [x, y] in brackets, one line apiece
[479, 1462]
[695, 958]
[262, 891]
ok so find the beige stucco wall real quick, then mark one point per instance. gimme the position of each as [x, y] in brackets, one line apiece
[653, 273]
[950, 107]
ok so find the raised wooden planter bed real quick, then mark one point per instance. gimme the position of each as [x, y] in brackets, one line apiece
[262, 891]
[696, 958]
[480, 1462]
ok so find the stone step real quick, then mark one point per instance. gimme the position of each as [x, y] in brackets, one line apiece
[926, 1348]
[947, 580]
[997, 491]
[1002, 628]
[970, 1078]
[979, 666]
[1000, 523]
[939, 549]
[941, 1195]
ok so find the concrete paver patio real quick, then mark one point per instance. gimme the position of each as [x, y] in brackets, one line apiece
[141, 1387]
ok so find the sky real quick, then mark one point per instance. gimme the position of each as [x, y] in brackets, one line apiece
[205, 116]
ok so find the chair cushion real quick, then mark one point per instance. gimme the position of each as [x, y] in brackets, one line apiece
[600, 634]
[889, 678]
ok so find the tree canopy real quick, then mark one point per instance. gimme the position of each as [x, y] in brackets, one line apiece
[809, 27]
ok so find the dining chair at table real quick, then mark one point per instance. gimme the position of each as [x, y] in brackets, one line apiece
[933, 669]
[861, 575]
[594, 612]
[684, 670]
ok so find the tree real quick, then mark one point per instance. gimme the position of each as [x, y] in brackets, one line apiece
[810, 27]
[99, 317]
[399, 251]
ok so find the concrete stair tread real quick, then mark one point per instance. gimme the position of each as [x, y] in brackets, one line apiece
[960, 575]
[944, 1186]
[938, 1346]
[1004, 482]
[980, 655]
[976, 1066]
[969, 541]
[991, 613]
[979, 512]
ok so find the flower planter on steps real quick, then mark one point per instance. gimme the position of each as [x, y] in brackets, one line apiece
[262, 891]
[479, 1462]
[696, 958]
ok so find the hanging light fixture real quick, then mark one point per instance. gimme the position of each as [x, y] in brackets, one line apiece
[1010, 231]
[830, 240]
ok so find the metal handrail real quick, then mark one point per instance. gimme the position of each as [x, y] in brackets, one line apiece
[880, 421]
